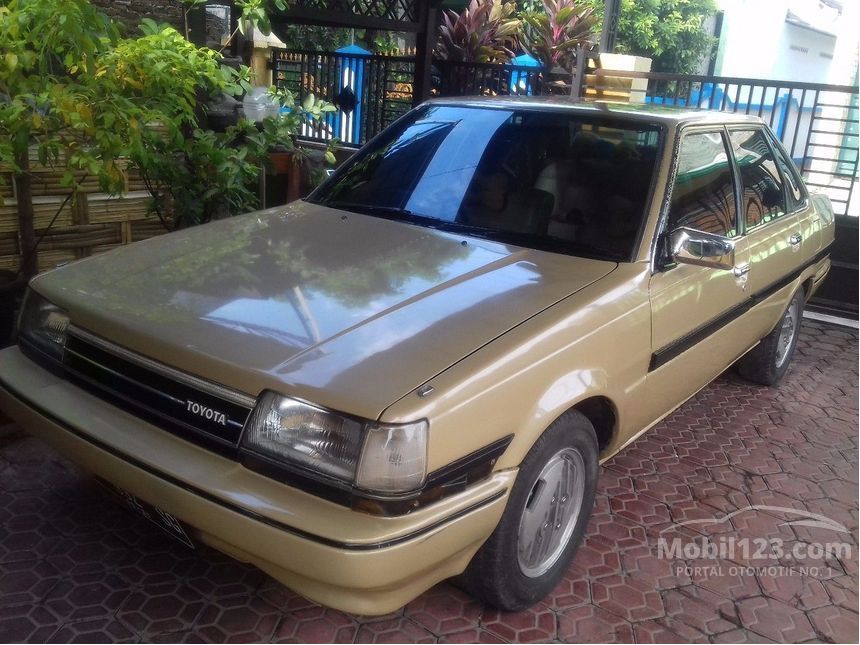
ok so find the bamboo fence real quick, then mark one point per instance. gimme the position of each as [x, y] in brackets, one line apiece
[90, 223]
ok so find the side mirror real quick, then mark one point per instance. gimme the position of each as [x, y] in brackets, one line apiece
[689, 246]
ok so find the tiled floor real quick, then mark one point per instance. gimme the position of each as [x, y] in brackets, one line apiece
[74, 566]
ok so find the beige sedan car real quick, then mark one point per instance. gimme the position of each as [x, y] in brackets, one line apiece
[414, 373]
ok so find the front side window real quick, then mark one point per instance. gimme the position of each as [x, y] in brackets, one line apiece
[761, 185]
[703, 196]
[552, 179]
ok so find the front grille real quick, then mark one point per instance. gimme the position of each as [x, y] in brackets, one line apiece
[195, 409]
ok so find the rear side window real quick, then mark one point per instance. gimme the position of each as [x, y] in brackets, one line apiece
[761, 186]
[791, 177]
[703, 196]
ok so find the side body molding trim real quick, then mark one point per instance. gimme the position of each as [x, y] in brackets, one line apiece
[681, 345]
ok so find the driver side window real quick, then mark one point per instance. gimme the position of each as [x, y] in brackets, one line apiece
[703, 195]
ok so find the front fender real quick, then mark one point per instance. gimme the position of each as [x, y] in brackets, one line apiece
[594, 343]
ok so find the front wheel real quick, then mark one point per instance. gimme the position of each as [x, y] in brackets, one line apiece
[768, 361]
[544, 521]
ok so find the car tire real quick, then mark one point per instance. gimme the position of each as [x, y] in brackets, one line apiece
[505, 573]
[768, 361]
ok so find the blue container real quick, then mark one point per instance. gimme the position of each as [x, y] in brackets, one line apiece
[521, 81]
[350, 74]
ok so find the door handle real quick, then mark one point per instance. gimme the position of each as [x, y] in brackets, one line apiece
[795, 239]
[741, 270]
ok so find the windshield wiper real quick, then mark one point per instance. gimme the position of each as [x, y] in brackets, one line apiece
[369, 209]
[492, 234]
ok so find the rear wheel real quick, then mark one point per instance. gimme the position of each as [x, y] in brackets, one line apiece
[768, 362]
[544, 521]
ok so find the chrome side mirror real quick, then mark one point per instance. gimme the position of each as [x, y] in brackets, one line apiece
[689, 246]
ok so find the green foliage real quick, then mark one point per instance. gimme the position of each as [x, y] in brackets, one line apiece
[255, 13]
[204, 175]
[671, 32]
[315, 38]
[51, 94]
[484, 32]
[552, 34]
[83, 98]
[386, 45]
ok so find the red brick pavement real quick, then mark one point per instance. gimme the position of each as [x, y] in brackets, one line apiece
[73, 566]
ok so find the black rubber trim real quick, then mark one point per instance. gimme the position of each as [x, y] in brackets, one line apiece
[443, 482]
[170, 479]
[681, 345]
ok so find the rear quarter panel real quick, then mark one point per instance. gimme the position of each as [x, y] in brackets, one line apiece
[818, 226]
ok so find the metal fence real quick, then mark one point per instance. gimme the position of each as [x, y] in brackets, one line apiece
[369, 91]
[817, 124]
[456, 78]
[373, 91]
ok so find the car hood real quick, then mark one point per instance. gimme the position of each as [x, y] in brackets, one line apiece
[346, 310]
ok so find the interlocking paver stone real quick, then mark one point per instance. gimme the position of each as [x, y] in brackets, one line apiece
[316, 624]
[835, 623]
[396, 630]
[534, 625]
[775, 620]
[75, 567]
[590, 624]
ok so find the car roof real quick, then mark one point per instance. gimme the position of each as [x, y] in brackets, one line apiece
[633, 111]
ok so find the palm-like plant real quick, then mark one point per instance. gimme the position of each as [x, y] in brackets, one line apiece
[485, 32]
[553, 34]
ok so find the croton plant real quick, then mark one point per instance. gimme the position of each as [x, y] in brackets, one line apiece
[484, 32]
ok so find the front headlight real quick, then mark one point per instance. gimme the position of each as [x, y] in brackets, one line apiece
[42, 325]
[372, 456]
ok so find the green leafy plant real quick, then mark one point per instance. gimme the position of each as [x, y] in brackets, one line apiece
[57, 100]
[673, 33]
[91, 104]
[553, 34]
[385, 45]
[315, 38]
[484, 32]
[205, 175]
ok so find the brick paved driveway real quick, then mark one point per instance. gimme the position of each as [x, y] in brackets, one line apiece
[74, 566]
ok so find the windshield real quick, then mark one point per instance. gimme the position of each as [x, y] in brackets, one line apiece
[553, 180]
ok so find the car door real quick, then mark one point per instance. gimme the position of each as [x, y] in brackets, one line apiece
[770, 224]
[798, 202]
[695, 310]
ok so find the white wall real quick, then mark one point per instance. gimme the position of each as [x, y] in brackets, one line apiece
[759, 43]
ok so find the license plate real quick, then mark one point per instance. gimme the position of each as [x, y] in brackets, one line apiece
[162, 519]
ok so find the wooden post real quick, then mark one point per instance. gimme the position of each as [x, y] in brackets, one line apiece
[294, 182]
[197, 26]
[425, 41]
[610, 26]
[577, 79]
[26, 230]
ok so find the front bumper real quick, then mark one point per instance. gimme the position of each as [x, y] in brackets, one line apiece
[341, 558]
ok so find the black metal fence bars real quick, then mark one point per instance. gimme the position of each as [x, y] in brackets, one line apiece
[817, 123]
[369, 91]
